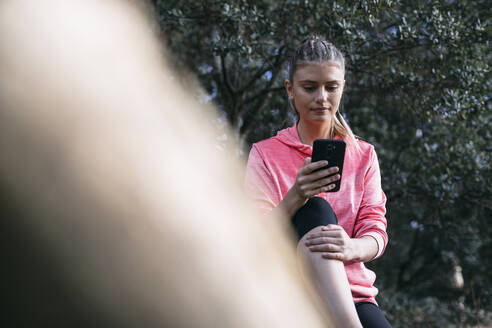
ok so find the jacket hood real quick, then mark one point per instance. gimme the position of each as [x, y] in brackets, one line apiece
[290, 137]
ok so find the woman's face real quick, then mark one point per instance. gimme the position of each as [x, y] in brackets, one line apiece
[316, 91]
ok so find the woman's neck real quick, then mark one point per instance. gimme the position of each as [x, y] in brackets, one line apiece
[310, 132]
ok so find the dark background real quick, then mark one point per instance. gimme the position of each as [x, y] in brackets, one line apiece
[417, 88]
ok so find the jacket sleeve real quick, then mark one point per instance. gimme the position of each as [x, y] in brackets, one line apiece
[371, 220]
[259, 184]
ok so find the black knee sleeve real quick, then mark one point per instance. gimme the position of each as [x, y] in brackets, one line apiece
[316, 212]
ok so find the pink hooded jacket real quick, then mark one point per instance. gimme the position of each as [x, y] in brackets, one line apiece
[359, 205]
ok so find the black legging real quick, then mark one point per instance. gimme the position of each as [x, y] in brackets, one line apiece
[371, 316]
[318, 212]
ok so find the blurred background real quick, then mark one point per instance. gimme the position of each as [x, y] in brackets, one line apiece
[417, 87]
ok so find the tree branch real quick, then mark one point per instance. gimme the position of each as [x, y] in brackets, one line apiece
[259, 107]
[263, 70]
[260, 94]
[391, 50]
[225, 76]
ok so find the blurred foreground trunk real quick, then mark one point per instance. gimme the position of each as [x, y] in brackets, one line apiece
[117, 210]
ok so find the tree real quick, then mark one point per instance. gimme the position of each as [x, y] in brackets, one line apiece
[418, 81]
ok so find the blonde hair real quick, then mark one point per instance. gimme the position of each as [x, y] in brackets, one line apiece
[339, 127]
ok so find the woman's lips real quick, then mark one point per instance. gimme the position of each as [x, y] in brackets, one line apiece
[321, 110]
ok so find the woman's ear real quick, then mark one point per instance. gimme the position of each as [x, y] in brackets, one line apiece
[288, 88]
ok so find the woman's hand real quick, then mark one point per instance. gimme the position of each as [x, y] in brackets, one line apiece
[334, 243]
[309, 183]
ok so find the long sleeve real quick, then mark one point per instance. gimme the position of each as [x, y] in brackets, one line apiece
[259, 183]
[371, 220]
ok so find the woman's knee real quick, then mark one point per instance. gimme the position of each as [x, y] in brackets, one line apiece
[316, 212]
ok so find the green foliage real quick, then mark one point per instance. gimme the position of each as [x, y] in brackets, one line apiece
[430, 312]
[418, 88]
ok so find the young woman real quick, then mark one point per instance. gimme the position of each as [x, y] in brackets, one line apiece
[338, 231]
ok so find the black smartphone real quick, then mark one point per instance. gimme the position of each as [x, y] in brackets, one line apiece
[332, 151]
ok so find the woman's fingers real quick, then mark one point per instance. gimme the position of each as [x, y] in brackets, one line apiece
[324, 173]
[331, 234]
[325, 248]
[308, 191]
[319, 175]
[334, 256]
[329, 243]
[321, 241]
[333, 242]
[329, 230]
[317, 186]
[310, 183]
[326, 181]
[309, 167]
[329, 250]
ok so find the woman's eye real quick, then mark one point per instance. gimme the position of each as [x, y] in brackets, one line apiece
[331, 88]
[309, 88]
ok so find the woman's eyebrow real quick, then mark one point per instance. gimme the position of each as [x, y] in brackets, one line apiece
[312, 81]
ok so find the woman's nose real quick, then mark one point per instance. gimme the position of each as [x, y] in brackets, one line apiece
[321, 95]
